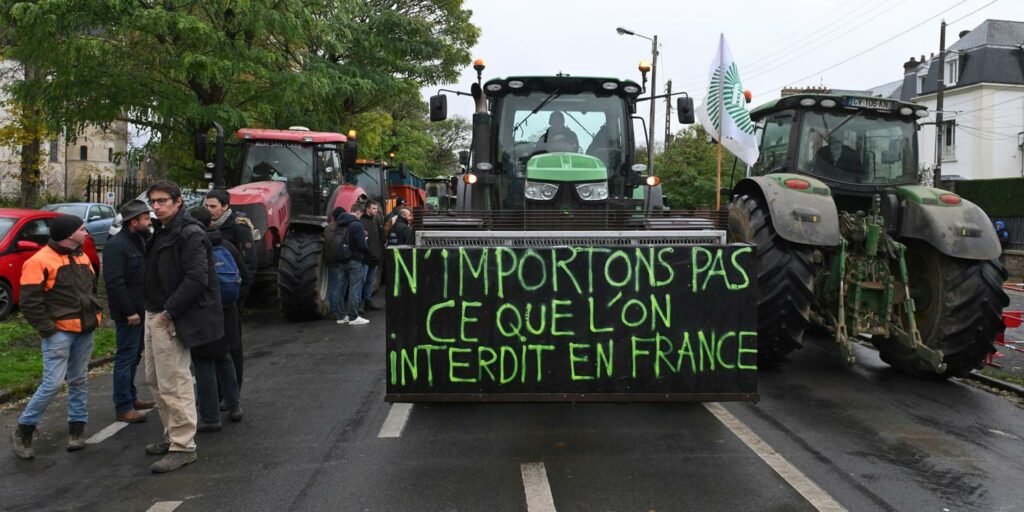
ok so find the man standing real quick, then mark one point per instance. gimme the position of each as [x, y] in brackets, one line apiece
[238, 231]
[183, 310]
[58, 298]
[375, 241]
[352, 270]
[124, 273]
[401, 232]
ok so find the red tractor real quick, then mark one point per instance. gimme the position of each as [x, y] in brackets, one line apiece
[287, 183]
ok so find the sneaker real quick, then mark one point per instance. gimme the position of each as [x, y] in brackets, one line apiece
[358, 321]
[236, 414]
[21, 438]
[342, 321]
[76, 435]
[173, 461]
[208, 427]
[158, 448]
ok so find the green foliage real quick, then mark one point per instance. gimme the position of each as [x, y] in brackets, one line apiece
[687, 169]
[21, 363]
[174, 67]
[999, 197]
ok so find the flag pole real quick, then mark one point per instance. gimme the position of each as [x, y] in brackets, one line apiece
[721, 122]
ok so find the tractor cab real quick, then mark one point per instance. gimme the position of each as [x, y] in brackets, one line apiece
[856, 145]
[371, 176]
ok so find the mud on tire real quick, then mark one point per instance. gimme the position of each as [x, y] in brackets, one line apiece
[959, 310]
[785, 280]
[302, 277]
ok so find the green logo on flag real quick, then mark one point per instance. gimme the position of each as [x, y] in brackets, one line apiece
[732, 100]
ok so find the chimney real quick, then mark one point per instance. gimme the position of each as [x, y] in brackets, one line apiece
[909, 66]
[963, 33]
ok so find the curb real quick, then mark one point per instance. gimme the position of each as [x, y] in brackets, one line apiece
[6, 395]
[996, 383]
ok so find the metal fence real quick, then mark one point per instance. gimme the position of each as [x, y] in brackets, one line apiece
[111, 190]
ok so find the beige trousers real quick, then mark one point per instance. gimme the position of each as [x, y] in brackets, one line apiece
[168, 374]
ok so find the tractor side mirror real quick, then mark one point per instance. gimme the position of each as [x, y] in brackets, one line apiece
[684, 106]
[438, 108]
[464, 158]
[200, 146]
[348, 154]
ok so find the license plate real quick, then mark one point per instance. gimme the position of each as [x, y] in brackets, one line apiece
[876, 103]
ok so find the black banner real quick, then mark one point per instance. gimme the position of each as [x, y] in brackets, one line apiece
[571, 324]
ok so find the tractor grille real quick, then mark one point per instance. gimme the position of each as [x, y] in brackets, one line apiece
[520, 239]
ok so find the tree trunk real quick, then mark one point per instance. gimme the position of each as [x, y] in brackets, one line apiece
[30, 176]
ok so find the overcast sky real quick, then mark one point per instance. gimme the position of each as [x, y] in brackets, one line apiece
[775, 43]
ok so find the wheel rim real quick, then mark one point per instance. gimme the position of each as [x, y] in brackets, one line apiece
[5, 299]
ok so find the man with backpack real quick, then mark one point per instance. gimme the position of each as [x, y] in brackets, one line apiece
[348, 249]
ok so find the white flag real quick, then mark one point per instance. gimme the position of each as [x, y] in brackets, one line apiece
[725, 95]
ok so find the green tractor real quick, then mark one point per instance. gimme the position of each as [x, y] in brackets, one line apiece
[848, 242]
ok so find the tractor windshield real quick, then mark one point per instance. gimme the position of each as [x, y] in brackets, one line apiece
[278, 161]
[857, 147]
[540, 122]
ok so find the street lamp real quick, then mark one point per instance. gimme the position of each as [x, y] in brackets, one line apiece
[622, 31]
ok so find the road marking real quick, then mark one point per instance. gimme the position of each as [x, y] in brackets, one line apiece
[538, 492]
[110, 430]
[394, 424]
[164, 506]
[817, 496]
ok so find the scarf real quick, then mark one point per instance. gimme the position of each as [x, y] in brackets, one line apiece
[223, 218]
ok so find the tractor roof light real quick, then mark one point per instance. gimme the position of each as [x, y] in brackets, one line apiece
[808, 102]
[609, 86]
[949, 199]
[922, 112]
[495, 87]
[307, 139]
[644, 66]
[653, 181]
[906, 111]
[828, 103]
[797, 184]
[298, 128]
[631, 89]
[352, 134]
[469, 179]
[515, 84]
[479, 65]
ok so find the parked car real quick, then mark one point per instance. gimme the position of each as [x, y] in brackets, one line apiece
[98, 218]
[22, 233]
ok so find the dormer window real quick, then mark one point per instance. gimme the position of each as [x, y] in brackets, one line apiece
[952, 70]
[920, 83]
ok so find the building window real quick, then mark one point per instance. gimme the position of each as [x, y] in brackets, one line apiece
[110, 154]
[54, 150]
[83, 153]
[952, 71]
[949, 140]
[920, 83]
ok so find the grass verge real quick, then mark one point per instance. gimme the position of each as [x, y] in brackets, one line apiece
[1004, 376]
[21, 363]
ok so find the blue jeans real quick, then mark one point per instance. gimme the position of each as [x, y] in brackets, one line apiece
[126, 362]
[369, 279]
[64, 354]
[334, 289]
[352, 274]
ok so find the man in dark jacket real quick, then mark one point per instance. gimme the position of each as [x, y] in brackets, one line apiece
[212, 361]
[375, 241]
[183, 310]
[124, 272]
[401, 231]
[234, 229]
[352, 270]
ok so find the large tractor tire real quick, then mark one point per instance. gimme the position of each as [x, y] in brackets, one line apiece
[785, 280]
[959, 307]
[302, 277]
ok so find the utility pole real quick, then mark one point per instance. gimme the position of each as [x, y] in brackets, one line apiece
[668, 112]
[939, 89]
[654, 92]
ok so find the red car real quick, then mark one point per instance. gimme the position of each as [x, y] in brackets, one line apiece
[22, 233]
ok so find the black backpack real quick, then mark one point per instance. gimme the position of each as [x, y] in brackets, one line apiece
[340, 250]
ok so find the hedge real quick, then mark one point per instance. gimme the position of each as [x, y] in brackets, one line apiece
[999, 197]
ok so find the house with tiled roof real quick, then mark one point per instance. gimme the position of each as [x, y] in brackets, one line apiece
[983, 105]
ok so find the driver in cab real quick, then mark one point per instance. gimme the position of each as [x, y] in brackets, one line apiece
[558, 137]
[837, 155]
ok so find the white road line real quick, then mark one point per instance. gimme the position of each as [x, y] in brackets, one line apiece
[538, 492]
[164, 506]
[110, 430]
[817, 496]
[394, 424]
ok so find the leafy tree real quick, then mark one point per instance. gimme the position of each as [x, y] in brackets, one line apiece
[175, 66]
[687, 169]
[448, 137]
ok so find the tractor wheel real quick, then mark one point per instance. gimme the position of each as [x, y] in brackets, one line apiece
[959, 307]
[785, 280]
[302, 277]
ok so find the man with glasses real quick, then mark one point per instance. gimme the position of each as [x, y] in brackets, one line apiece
[183, 310]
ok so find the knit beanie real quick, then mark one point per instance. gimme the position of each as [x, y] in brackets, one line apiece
[62, 227]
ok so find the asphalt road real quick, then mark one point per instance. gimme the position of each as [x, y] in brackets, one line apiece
[869, 438]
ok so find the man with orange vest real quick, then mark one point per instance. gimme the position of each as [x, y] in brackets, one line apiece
[58, 298]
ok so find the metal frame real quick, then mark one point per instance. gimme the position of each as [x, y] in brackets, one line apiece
[563, 238]
[570, 397]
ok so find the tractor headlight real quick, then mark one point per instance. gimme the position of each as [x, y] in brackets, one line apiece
[592, 191]
[541, 191]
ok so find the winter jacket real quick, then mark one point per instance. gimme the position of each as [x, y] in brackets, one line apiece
[179, 263]
[241, 237]
[356, 236]
[401, 232]
[374, 239]
[232, 335]
[58, 291]
[125, 272]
